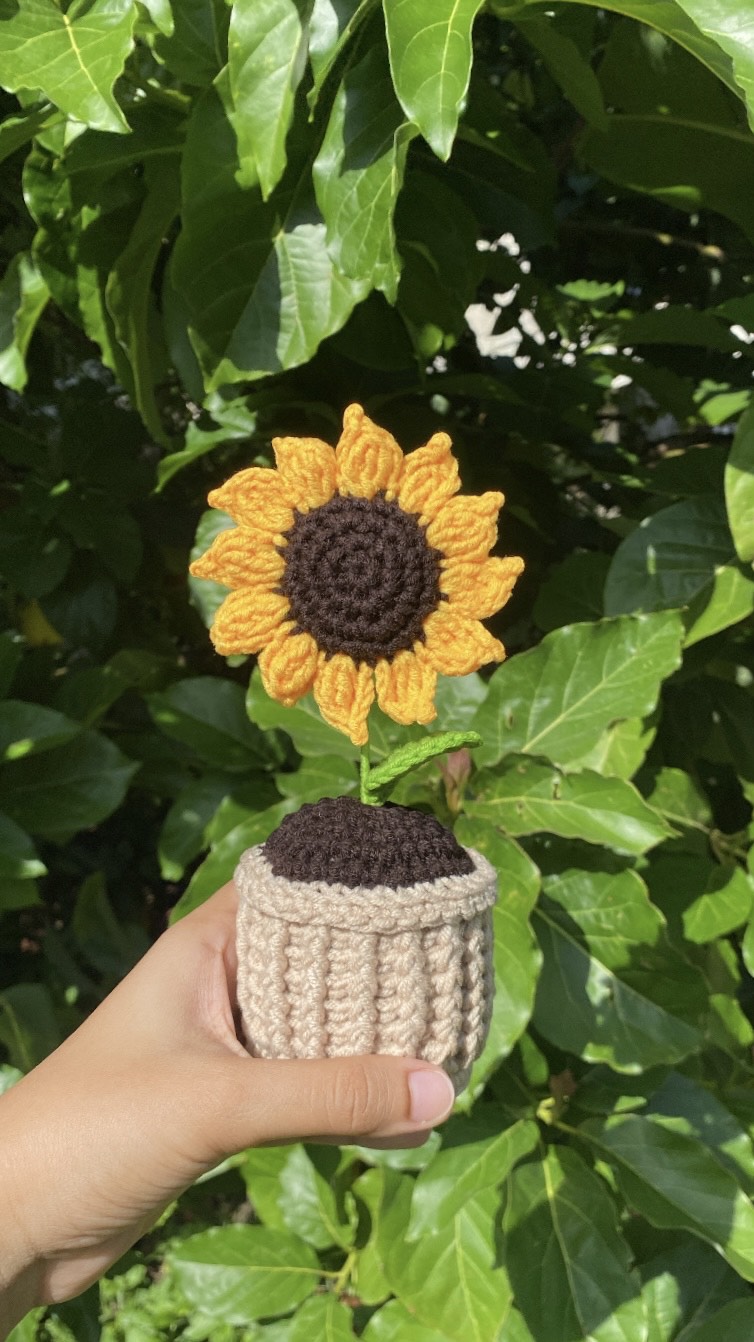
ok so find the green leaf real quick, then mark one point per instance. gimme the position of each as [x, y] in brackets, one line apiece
[385, 1194]
[724, 905]
[239, 1273]
[219, 866]
[310, 734]
[676, 163]
[569, 1266]
[567, 66]
[182, 834]
[682, 556]
[16, 131]
[29, 1028]
[26, 729]
[722, 23]
[290, 296]
[128, 292]
[414, 754]
[208, 714]
[358, 174]
[528, 796]
[452, 1280]
[477, 1153]
[431, 64]
[205, 594]
[739, 488]
[307, 1200]
[394, 1323]
[10, 657]
[23, 298]
[320, 776]
[688, 1107]
[333, 24]
[74, 57]
[632, 1001]
[733, 1323]
[199, 441]
[266, 59]
[684, 1286]
[622, 750]
[196, 50]
[322, 1316]
[112, 947]
[559, 698]
[18, 856]
[572, 591]
[517, 957]
[672, 1180]
[66, 789]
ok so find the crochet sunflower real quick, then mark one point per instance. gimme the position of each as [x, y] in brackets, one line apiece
[356, 572]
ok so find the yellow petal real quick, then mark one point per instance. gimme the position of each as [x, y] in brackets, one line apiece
[247, 620]
[406, 688]
[480, 589]
[288, 665]
[368, 457]
[239, 557]
[429, 478]
[254, 497]
[456, 644]
[306, 467]
[344, 693]
[466, 528]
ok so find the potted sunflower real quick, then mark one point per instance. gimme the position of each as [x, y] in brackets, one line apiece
[358, 573]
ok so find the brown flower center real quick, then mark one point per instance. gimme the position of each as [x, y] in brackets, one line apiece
[360, 577]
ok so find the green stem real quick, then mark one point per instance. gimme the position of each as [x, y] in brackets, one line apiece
[367, 797]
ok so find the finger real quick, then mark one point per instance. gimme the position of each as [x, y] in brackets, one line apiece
[319, 1099]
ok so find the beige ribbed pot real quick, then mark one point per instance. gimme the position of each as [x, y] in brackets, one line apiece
[329, 969]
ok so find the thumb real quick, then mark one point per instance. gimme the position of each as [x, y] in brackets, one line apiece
[324, 1098]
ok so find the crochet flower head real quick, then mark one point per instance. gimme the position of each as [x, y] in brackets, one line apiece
[356, 571]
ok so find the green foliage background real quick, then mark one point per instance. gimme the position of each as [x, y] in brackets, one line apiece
[222, 222]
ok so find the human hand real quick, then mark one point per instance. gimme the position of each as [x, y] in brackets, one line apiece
[153, 1090]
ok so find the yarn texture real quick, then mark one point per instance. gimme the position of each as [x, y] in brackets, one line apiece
[358, 573]
[359, 960]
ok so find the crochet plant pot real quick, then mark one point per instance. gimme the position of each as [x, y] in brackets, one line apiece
[365, 929]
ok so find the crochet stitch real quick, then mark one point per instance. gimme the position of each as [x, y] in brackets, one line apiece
[330, 969]
[356, 572]
[339, 841]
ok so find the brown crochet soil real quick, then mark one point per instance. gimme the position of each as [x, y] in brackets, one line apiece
[340, 841]
[360, 577]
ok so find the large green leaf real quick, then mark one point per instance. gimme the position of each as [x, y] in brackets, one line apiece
[682, 556]
[208, 714]
[196, 49]
[688, 1107]
[666, 16]
[567, 66]
[431, 63]
[307, 1200]
[321, 1316]
[684, 1285]
[25, 729]
[516, 955]
[559, 698]
[733, 1323]
[385, 1195]
[23, 298]
[65, 789]
[451, 1280]
[289, 296]
[358, 173]
[672, 1180]
[266, 59]
[310, 734]
[631, 1000]
[477, 1153]
[394, 1323]
[182, 833]
[29, 1028]
[526, 796]
[18, 856]
[725, 22]
[240, 1273]
[129, 291]
[569, 1266]
[16, 131]
[74, 57]
[739, 488]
